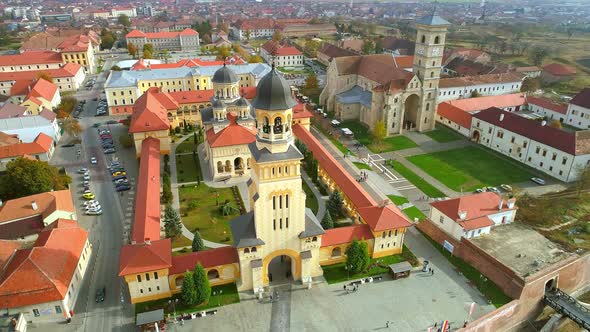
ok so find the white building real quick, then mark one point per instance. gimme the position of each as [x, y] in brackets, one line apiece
[553, 151]
[28, 127]
[185, 40]
[578, 111]
[484, 85]
[255, 28]
[472, 215]
[118, 11]
[281, 56]
[548, 109]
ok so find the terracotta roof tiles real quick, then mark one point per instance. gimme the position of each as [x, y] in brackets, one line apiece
[47, 203]
[548, 104]
[42, 144]
[207, 258]
[346, 234]
[146, 224]
[582, 98]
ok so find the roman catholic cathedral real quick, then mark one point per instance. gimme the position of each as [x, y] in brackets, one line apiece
[381, 87]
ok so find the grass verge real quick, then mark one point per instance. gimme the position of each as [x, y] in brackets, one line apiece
[187, 168]
[362, 166]
[416, 180]
[443, 134]
[310, 199]
[362, 134]
[413, 212]
[186, 146]
[398, 200]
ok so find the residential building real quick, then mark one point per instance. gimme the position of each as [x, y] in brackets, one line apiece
[145, 64]
[556, 72]
[27, 126]
[472, 215]
[308, 30]
[329, 51]
[34, 94]
[558, 153]
[456, 114]
[529, 71]
[150, 119]
[119, 10]
[484, 85]
[578, 110]
[43, 282]
[67, 77]
[185, 40]
[26, 216]
[255, 28]
[281, 55]
[397, 46]
[122, 88]
[463, 66]
[547, 108]
[474, 55]
[375, 88]
[41, 148]
[30, 60]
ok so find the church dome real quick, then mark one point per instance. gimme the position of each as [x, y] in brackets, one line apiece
[224, 75]
[273, 93]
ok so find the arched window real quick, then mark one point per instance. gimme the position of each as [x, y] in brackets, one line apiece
[287, 201]
[427, 106]
[253, 249]
[266, 126]
[278, 125]
[423, 39]
[431, 74]
[212, 274]
[314, 239]
[437, 40]
[246, 250]
[336, 252]
[384, 234]
[389, 234]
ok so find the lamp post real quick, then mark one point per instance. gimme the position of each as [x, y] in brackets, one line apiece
[173, 302]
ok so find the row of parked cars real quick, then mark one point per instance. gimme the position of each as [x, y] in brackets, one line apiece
[101, 108]
[79, 109]
[119, 176]
[92, 207]
[106, 141]
[90, 83]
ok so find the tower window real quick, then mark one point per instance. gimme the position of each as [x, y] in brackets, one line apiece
[423, 39]
[280, 201]
[274, 202]
[287, 201]
[274, 224]
[437, 40]
[281, 223]
[287, 222]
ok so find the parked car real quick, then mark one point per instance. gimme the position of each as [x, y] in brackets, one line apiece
[90, 203]
[538, 180]
[93, 161]
[478, 190]
[83, 170]
[122, 188]
[122, 181]
[494, 190]
[119, 177]
[118, 173]
[100, 293]
[88, 195]
[506, 187]
[93, 213]
[110, 151]
[112, 122]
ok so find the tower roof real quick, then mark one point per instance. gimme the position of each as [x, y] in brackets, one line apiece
[273, 93]
[224, 75]
[432, 19]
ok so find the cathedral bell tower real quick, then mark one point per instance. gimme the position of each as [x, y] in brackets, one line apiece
[430, 42]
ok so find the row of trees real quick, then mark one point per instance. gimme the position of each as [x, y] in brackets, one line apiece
[195, 286]
[25, 177]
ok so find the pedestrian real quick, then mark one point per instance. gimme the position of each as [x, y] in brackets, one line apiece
[465, 324]
[387, 324]
[435, 324]
[270, 297]
[432, 272]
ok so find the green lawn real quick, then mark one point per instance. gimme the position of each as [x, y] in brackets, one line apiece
[362, 134]
[362, 166]
[469, 168]
[187, 146]
[337, 273]
[229, 295]
[187, 168]
[206, 216]
[181, 241]
[398, 200]
[310, 199]
[487, 287]
[416, 180]
[413, 212]
[443, 134]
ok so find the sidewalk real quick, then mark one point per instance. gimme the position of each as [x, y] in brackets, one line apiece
[321, 199]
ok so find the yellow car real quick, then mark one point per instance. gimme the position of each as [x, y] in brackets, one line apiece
[88, 196]
[119, 174]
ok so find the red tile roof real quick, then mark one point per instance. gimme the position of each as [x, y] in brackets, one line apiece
[248, 92]
[31, 58]
[149, 114]
[234, 134]
[42, 144]
[146, 224]
[557, 69]
[44, 89]
[207, 258]
[385, 217]
[65, 71]
[47, 203]
[482, 103]
[6, 139]
[7, 248]
[532, 129]
[233, 60]
[77, 43]
[582, 98]
[548, 104]
[455, 114]
[300, 111]
[481, 79]
[144, 257]
[347, 184]
[192, 97]
[346, 234]
[254, 24]
[476, 208]
[406, 61]
[43, 273]
[274, 48]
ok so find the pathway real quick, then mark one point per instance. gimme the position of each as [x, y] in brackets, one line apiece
[321, 199]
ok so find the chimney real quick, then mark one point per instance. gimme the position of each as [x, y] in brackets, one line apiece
[462, 215]
[133, 242]
[500, 204]
[34, 205]
[148, 241]
[510, 203]
[543, 123]
[1, 203]
[502, 117]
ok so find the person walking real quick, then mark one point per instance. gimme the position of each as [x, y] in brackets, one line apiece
[387, 324]
[432, 272]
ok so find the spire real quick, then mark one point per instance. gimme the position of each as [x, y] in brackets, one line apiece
[434, 8]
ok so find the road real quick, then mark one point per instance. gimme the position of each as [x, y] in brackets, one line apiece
[106, 232]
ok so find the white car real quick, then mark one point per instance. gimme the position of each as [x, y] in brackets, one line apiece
[90, 202]
[83, 170]
[93, 161]
[538, 181]
[93, 208]
[94, 213]
[86, 178]
[506, 187]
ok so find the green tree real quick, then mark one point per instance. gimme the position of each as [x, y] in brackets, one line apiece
[368, 47]
[247, 34]
[107, 41]
[475, 94]
[311, 47]
[530, 85]
[71, 126]
[311, 81]
[148, 47]
[379, 131]
[172, 224]
[24, 177]
[223, 52]
[334, 204]
[124, 20]
[132, 49]
[277, 35]
[255, 59]
[189, 291]
[378, 46]
[327, 222]
[537, 54]
[357, 256]
[147, 54]
[166, 55]
[201, 284]
[66, 106]
[198, 244]
[116, 68]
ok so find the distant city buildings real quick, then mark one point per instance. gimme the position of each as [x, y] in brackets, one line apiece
[281, 55]
[187, 39]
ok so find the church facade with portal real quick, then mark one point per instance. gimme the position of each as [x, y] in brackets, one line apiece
[373, 88]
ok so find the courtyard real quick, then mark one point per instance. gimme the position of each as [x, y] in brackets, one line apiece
[469, 168]
[363, 136]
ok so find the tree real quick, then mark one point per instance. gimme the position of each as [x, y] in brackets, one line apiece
[189, 291]
[583, 180]
[132, 49]
[24, 177]
[71, 126]
[379, 131]
[247, 34]
[334, 203]
[537, 54]
[311, 81]
[67, 105]
[530, 85]
[45, 75]
[555, 124]
[223, 52]
[223, 27]
[357, 256]
[311, 47]
[148, 47]
[475, 94]
[147, 54]
[202, 287]
[124, 20]
[327, 222]
[368, 47]
[378, 46]
[107, 41]
[172, 224]
[116, 68]
[277, 35]
[228, 209]
[255, 59]
[198, 244]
